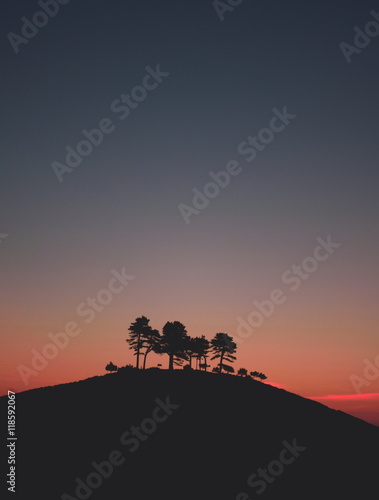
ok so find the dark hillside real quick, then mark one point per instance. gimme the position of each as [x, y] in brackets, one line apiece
[223, 431]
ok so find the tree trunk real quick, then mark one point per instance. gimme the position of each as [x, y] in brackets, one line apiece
[148, 349]
[138, 348]
[221, 360]
[171, 362]
[144, 360]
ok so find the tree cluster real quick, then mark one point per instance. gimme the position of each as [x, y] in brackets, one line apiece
[175, 342]
[180, 347]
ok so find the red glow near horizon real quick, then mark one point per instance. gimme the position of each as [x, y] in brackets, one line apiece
[346, 397]
[364, 406]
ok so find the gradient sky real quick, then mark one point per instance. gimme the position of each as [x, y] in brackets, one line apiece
[119, 208]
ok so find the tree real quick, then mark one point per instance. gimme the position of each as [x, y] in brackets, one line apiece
[111, 367]
[259, 375]
[190, 349]
[137, 330]
[201, 348]
[197, 347]
[174, 342]
[142, 336]
[227, 368]
[151, 343]
[242, 372]
[223, 348]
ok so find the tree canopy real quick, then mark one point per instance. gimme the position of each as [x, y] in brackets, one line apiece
[174, 342]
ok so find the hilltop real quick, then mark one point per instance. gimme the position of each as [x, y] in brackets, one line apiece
[204, 435]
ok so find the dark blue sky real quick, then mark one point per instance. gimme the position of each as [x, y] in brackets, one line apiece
[119, 207]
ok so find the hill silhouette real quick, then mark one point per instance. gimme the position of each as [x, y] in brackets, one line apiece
[205, 435]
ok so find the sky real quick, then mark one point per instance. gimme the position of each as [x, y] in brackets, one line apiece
[262, 92]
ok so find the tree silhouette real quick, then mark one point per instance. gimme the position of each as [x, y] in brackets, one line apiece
[190, 349]
[201, 348]
[142, 336]
[137, 330]
[111, 367]
[242, 372]
[223, 348]
[259, 375]
[151, 341]
[174, 342]
[227, 368]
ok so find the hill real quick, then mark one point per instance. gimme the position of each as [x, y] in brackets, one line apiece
[187, 435]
